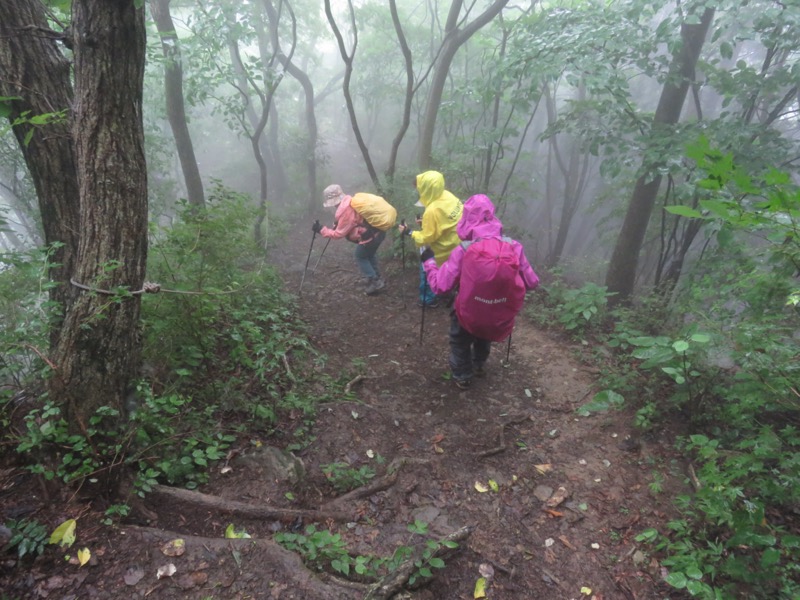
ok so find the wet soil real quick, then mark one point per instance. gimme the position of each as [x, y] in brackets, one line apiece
[553, 500]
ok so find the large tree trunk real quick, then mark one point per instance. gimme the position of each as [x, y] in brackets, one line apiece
[176, 113]
[621, 274]
[99, 349]
[454, 38]
[35, 73]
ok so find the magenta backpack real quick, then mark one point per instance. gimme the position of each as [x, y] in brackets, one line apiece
[491, 291]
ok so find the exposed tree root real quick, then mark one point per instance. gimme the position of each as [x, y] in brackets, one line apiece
[223, 505]
[397, 579]
[377, 485]
[305, 583]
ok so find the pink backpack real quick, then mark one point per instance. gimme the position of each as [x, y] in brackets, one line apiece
[491, 291]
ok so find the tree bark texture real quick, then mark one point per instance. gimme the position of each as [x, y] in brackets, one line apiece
[176, 110]
[99, 349]
[36, 74]
[454, 38]
[621, 275]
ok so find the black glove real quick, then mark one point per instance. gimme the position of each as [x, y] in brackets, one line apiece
[404, 229]
[425, 255]
[316, 227]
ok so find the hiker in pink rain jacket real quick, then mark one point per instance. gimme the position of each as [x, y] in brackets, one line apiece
[468, 352]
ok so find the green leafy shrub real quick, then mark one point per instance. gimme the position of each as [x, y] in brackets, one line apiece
[576, 309]
[344, 478]
[28, 536]
[227, 330]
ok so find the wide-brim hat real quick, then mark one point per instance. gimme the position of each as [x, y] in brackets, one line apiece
[333, 195]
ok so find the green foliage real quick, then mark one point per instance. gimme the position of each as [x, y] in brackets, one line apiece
[427, 560]
[232, 321]
[28, 536]
[730, 538]
[578, 309]
[673, 357]
[116, 512]
[166, 439]
[725, 539]
[344, 478]
[25, 316]
[324, 549]
[601, 402]
[321, 548]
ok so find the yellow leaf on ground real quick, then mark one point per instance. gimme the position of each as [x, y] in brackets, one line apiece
[83, 556]
[64, 534]
[480, 588]
[586, 591]
[542, 469]
[231, 533]
[494, 486]
[480, 487]
[174, 547]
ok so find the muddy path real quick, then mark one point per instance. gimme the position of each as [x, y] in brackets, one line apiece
[552, 500]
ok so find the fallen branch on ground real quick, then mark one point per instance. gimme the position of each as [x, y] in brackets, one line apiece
[355, 380]
[392, 583]
[243, 509]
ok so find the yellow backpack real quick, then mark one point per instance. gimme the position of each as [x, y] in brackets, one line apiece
[375, 210]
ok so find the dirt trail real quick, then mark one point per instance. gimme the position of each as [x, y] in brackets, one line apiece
[408, 408]
[569, 496]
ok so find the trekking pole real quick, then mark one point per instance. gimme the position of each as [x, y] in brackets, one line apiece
[424, 297]
[325, 247]
[403, 244]
[422, 324]
[508, 349]
[313, 237]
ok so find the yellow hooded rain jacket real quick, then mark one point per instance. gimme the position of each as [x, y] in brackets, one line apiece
[442, 214]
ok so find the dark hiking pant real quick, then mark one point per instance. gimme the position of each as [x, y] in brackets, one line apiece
[467, 352]
[366, 256]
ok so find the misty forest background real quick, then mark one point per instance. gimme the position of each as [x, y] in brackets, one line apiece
[646, 154]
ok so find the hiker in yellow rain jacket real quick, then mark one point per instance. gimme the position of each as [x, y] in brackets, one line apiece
[442, 214]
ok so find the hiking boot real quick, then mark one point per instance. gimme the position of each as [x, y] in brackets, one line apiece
[433, 304]
[479, 371]
[462, 384]
[375, 285]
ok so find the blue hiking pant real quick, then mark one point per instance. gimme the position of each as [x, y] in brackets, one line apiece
[426, 295]
[466, 351]
[366, 256]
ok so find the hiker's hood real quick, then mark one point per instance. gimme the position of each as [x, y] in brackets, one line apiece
[430, 186]
[478, 220]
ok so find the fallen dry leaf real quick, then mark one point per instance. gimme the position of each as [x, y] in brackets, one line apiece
[480, 487]
[544, 468]
[174, 547]
[553, 513]
[563, 539]
[437, 438]
[560, 495]
[167, 570]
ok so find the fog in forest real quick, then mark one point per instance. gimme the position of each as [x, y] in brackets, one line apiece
[544, 107]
